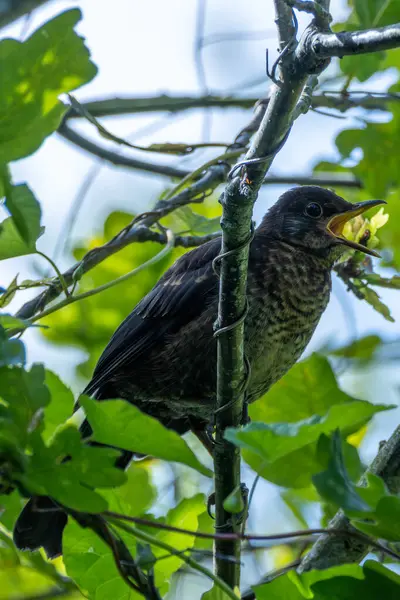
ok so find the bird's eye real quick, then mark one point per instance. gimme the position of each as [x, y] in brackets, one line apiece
[313, 210]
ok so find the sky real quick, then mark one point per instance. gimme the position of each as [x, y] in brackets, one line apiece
[147, 49]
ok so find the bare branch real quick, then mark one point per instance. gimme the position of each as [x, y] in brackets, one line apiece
[114, 157]
[128, 106]
[327, 45]
[14, 9]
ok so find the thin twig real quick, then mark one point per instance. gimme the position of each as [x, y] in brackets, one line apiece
[78, 297]
[343, 533]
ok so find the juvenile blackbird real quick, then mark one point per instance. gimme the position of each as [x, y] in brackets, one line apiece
[162, 358]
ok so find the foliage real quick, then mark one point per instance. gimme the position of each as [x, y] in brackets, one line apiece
[304, 433]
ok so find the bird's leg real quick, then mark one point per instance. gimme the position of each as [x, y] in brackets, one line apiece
[206, 438]
[245, 414]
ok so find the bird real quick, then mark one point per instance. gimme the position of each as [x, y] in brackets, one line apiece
[163, 356]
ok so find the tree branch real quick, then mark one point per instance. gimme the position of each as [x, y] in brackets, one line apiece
[330, 551]
[327, 45]
[237, 201]
[14, 9]
[169, 171]
[127, 106]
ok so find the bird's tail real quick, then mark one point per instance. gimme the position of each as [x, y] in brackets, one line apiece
[41, 523]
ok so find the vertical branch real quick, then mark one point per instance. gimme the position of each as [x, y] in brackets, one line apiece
[238, 201]
[235, 224]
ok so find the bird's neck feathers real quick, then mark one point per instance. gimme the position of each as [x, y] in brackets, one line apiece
[275, 229]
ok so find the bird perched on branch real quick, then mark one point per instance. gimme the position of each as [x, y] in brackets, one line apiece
[162, 358]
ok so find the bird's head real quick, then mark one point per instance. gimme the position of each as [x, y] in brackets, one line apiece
[313, 218]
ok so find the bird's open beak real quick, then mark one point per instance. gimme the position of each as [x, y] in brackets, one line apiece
[337, 223]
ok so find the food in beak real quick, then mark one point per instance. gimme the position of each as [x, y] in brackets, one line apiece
[337, 223]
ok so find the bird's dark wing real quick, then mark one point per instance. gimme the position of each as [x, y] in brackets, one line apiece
[182, 293]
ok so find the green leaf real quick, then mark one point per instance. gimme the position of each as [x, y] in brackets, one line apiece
[90, 563]
[12, 352]
[374, 300]
[9, 321]
[386, 282]
[53, 60]
[269, 447]
[25, 395]
[215, 593]
[135, 495]
[118, 423]
[10, 507]
[276, 440]
[373, 13]
[183, 516]
[309, 388]
[11, 242]
[68, 470]
[386, 520]
[334, 484]
[362, 66]
[60, 407]
[362, 349]
[197, 224]
[371, 140]
[8, 294]
[344, 582]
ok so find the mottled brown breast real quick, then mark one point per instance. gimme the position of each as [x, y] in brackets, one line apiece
[288, 295]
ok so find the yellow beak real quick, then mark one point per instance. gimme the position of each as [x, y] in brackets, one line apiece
[337, 223]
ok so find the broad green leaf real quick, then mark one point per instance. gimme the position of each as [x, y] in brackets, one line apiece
[344, 582]
[362, 349]
[334, 484]
[184, 516]
[12, 352]
[276, 440]
[68, 470]
[195, 223]
[386, 282]
[309, 388]
[22, 581]
[216, 593]
[135, 495]
[371, 140]
[118, 423]
[10, 507]
[374, 300]
[362, 66]
[25, 395]
[269, 447]
[90, 563]
[375, 13]
[9, 321]
[6, 295]
[384, 523]
[53, 60]
[60, 407]
[11, 242]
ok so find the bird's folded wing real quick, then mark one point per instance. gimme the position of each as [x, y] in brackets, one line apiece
[180, 296]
